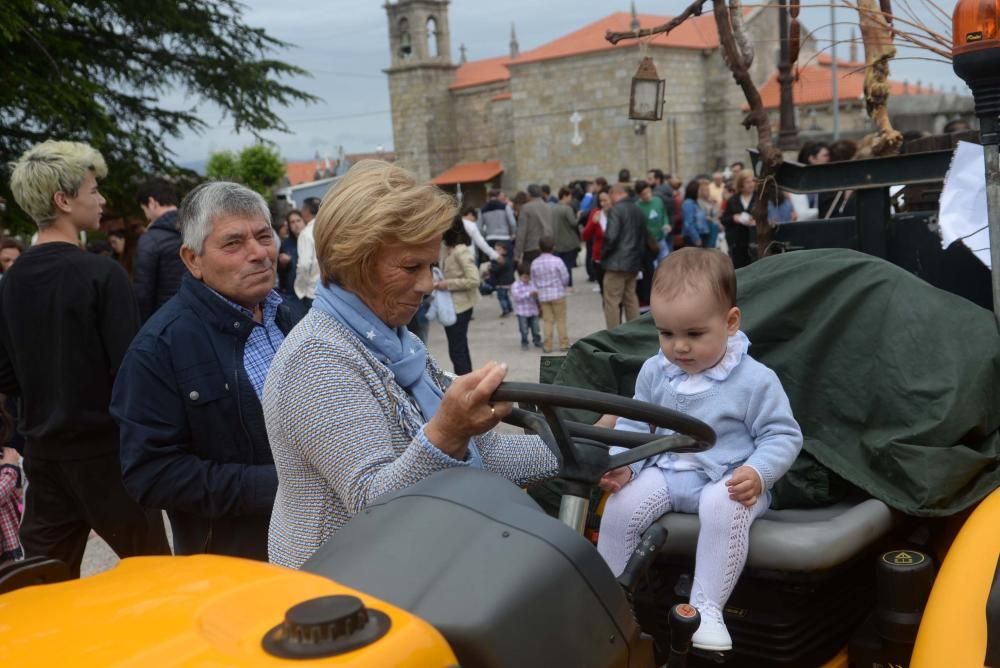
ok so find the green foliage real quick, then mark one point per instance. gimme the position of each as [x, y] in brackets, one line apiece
[258, 167]
[95, 70]
[223, 166]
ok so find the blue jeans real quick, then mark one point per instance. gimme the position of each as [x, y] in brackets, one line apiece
[664, 249]
[526, 322]
[503, 296]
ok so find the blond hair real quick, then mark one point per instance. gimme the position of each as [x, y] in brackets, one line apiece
[744, 176]
[690, 269]
[48, 168]
[376, 203]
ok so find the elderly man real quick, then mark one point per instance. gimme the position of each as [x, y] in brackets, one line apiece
[193, 440]
[66, 319]
[534, 222]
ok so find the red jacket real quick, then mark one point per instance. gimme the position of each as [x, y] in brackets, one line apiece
[594, 230]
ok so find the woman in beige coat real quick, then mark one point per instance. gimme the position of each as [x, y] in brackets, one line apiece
[461, 279]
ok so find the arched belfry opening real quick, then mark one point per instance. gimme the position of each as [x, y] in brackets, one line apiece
[432, 38]
[405, 42]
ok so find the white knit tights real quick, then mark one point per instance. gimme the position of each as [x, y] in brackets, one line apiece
[628, 513]
[722, 541]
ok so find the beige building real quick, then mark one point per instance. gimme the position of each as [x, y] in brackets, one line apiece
[559, 112]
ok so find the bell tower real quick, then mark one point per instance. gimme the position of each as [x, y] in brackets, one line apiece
[418, 33]
[420, 73]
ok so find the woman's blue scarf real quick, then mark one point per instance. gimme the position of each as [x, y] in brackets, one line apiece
[403, 354]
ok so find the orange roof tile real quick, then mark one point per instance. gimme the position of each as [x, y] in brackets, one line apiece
[814, 85]
[480, 72]
[301, 172]
[469, 172]
[827, 59]
[695, 33]
[502, 96]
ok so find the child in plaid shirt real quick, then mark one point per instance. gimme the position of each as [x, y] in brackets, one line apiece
[526, 307]
[10, 513]
[550, 276]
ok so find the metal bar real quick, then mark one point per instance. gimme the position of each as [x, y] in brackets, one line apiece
[991, 152]
[908, 169]
[573, 512]
[872, 216]
[835, 83]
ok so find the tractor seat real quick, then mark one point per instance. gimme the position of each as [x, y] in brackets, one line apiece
[799, 539]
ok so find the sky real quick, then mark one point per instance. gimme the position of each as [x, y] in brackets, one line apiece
[344, 45]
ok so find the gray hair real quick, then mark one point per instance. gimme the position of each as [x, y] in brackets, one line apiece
[534, 190]
[216, 199]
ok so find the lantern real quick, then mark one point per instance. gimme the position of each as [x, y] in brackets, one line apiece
[646, 101]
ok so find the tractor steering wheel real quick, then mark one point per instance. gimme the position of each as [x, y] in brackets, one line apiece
[583, 449]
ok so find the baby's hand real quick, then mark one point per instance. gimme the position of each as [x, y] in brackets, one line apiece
[745, 486]
[615, 479]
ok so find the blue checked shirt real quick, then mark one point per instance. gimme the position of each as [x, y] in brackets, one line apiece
[263, 341]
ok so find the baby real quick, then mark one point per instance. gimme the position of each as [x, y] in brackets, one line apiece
[703, 370]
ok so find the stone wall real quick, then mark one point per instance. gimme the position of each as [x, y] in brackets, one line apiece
[503, 121]
[423, 125]
[475, 128]
[597, 86]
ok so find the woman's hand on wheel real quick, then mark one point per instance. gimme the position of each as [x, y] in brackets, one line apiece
[466, 410]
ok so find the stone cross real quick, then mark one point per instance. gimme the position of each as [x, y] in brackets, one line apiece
[575, 120]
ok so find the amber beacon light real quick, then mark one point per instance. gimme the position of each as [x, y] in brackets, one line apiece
[976, 59]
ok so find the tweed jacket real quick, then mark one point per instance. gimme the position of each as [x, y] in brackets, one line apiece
[534, 223]
[460, 271]
[343, 432]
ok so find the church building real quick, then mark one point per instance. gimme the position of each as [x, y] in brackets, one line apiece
[559, 112]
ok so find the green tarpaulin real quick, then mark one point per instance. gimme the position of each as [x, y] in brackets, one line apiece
[896, 384]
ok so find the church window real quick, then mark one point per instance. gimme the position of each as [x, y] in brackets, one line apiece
[432, 37]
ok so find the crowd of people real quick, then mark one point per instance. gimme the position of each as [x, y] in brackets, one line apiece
[619, 232]
[264, 388]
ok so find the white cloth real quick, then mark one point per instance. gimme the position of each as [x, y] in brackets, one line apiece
[963, 202]
[477, 238]
[800, 202]
[307, 269]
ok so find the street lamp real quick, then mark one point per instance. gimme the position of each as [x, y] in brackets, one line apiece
[646, 101]
[976, 59]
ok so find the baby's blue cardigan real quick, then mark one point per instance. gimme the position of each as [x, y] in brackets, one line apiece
[749, 412]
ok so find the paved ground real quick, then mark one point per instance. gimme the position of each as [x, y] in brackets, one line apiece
[490, 338]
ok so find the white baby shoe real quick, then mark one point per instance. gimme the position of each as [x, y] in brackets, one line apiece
[712, 634]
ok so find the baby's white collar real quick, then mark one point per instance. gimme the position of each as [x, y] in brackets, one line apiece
[736, 347]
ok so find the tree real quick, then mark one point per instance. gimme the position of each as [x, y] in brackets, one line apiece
[94, 71]
[223, 166]
[258, 167]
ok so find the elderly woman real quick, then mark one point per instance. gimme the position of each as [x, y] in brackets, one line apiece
[354, 406]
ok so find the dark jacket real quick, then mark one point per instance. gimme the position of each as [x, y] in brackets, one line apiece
[737, 234]
[625, 240]
[66, 320]
[158, 266]
[193, 439]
